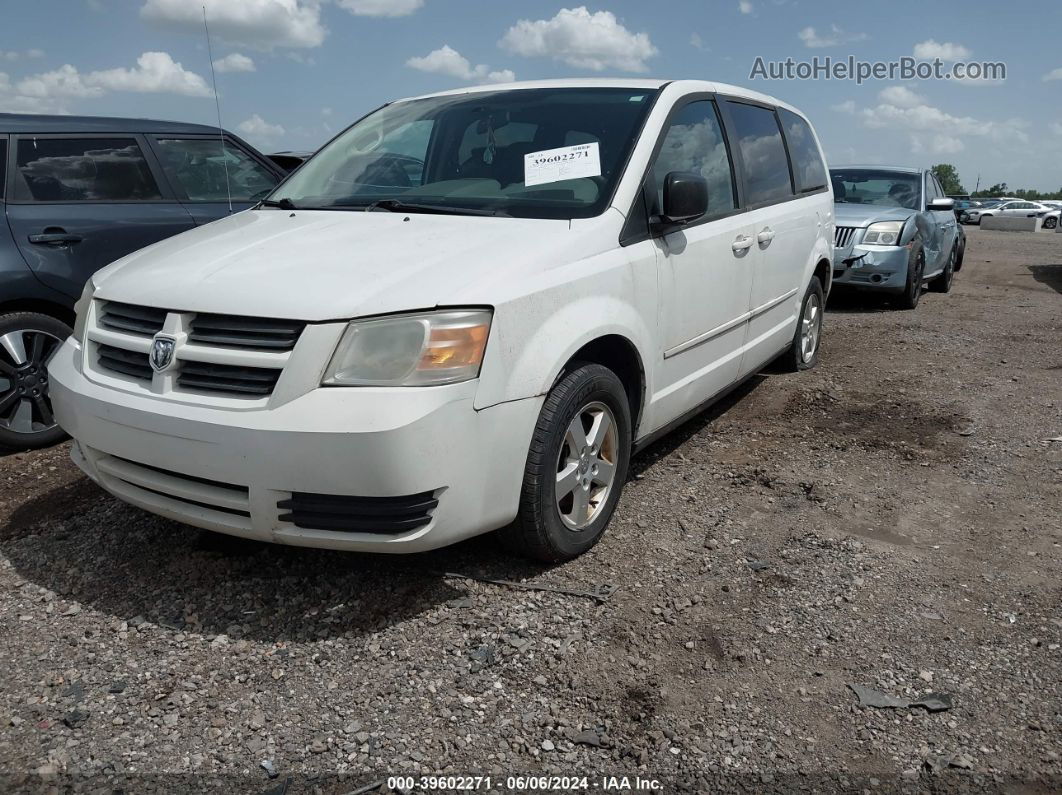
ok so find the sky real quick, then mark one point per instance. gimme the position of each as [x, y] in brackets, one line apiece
[292, 73]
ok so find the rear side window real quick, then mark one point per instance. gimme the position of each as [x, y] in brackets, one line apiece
[83, 170]
[763, 153]
[200, 168]
[694, 142]
[3, 166]
[808, 168]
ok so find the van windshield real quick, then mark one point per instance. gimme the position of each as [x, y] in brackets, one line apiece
[531, 153]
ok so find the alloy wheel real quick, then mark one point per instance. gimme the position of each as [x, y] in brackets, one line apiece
[24, 404]
[586, 465]
[810, 328]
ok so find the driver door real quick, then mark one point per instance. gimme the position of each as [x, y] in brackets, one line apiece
[205, 175]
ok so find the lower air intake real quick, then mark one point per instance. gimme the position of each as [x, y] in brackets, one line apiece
[383, 515]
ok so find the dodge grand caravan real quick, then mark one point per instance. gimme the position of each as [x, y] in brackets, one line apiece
[461, 314]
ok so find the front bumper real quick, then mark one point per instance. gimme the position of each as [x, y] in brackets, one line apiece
[227, 470]
[871, 267]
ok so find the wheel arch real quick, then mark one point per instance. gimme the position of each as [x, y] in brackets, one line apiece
[41, 306]
[621, 356]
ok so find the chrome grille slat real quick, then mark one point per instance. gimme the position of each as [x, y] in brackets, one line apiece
[843, 236]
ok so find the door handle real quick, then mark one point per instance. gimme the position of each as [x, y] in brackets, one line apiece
[765, 237]
[55, 239]
[743, 243]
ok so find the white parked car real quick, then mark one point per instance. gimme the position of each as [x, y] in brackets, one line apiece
[1017, 208]
[462, 314]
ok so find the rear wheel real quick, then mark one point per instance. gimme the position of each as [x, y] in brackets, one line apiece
[960, 254]
[916, 268]
[576, 466]
[28, 340]
[803, 352]
[942, 284]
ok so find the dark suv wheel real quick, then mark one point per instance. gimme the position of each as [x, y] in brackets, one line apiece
[27, 342]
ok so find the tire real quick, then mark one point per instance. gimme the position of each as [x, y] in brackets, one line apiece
[803, 352]
[942, 283]
[27, 341]
[1050, 223]
[551, 528]
[960, 255]
[916, 267]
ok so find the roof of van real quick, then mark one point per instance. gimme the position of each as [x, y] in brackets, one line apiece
[613, 82]
[31, 123]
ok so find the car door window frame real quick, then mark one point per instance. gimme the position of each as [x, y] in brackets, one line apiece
[799, 194]
[166, 195]
[636, 229]
[230, 141]
[733, 134]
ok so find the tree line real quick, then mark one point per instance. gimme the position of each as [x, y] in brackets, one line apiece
[948, 176]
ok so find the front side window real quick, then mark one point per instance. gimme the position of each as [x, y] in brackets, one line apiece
[207, 172]
[808, 168]
[694, 143]
[763, 153]
[873, 186]
[534, 153]
[82, 169]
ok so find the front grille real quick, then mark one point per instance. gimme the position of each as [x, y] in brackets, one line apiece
[119, 360]
[843, 236]
[358, 514]
[144, 321]
[232, 331]
[258, 381]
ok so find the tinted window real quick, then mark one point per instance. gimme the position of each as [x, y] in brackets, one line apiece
[201, 167]
[479, 154]
[3, 166]
[694, 142]
[808, 168]
[870, 186]
[763, 153]
[83, 169]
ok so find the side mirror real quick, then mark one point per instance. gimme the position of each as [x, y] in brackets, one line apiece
[942, 204]
[685, 198]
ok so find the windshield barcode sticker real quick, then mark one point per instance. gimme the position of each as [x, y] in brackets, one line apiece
[568, 162]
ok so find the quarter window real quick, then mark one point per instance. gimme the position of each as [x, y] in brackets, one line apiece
[694, 142]
[762, 152]
[208, 172]
[808, 168]
[83, 169]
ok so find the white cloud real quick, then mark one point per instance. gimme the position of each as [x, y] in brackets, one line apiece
[448, 61]
[901, 97]
[946, 145]
[946, 51]
[1054, 74]
[234, 62]
[1056, 127]
[155, 73]
[578, 38]
[381, 8]
[326, 111]
[258, 129]
[16, 55]
[834, 38]
[745, 7]
[848, 106]
[698, 43]
[258, 24]
[64, 82]
[13, 101]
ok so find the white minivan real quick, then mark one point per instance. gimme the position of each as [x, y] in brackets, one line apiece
[462, 314]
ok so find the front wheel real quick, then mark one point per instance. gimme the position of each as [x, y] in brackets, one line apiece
[28, 341]
[916, 268]
[1050, 223]
[576, 466]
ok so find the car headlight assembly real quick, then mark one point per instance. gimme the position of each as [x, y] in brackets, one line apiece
[422, 349]
[884, 233]
[81, 309]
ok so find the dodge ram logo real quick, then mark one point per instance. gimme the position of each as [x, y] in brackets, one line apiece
[162, 353]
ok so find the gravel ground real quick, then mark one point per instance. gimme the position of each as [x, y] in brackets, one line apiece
[890, 519]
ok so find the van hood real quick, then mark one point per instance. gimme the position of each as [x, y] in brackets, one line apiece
[331, 265]
[866, 214]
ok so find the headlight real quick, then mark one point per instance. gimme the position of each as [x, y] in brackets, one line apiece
[411, 350]
[884, 233]
[81, 309]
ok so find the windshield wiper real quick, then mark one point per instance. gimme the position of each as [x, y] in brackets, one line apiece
[283, 204]
[399, 206]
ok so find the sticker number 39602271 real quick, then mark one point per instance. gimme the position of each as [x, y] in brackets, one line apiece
[567, 162]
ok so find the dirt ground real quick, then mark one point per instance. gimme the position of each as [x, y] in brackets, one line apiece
[890, 519]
